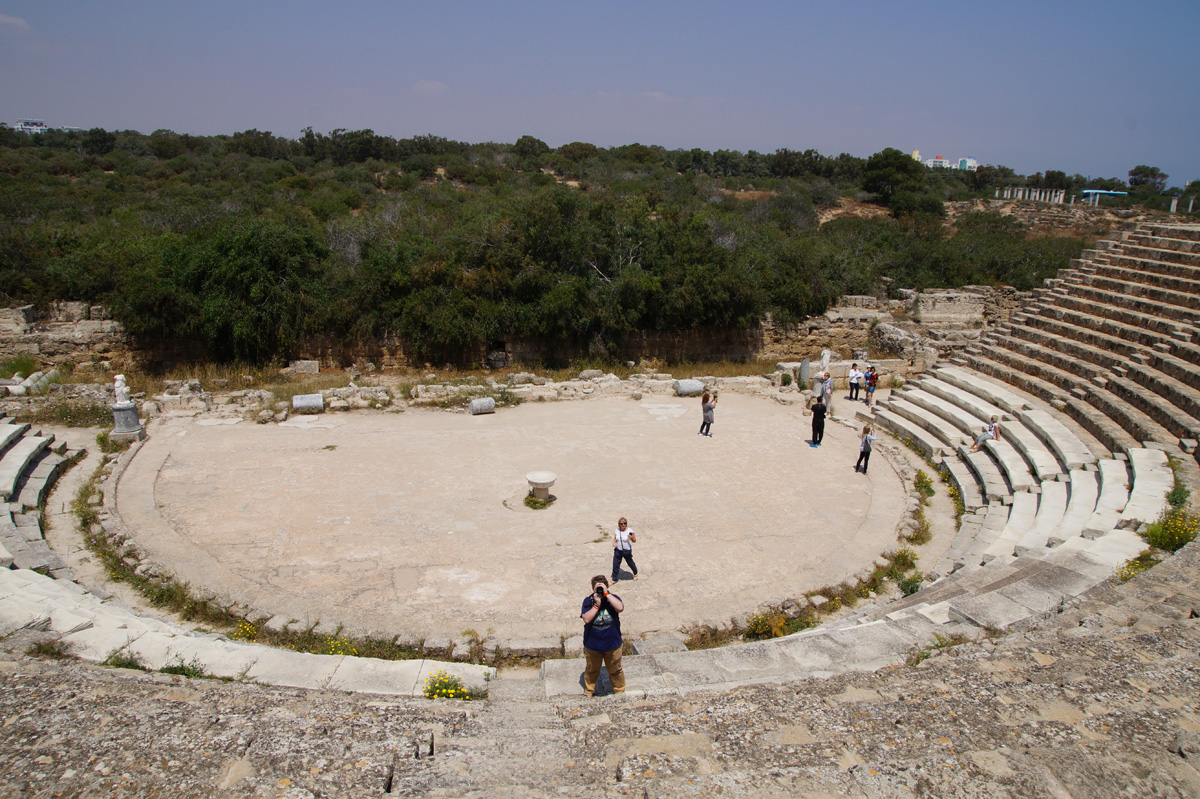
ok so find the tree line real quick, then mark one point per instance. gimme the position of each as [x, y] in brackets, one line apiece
[251, 242]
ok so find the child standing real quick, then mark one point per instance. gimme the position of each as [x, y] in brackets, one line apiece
[864, 449]
[707, 406]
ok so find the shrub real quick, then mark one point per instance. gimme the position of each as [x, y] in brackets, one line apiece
[706, 636]
[1178, 496]
[56, 650]
[786, 379]
[1135, 566]
[769, 624]
[1174, 528]
[192, 669]
[443, 685]
[121, 659]
[923, 484]
[910, 585]
[905, 559]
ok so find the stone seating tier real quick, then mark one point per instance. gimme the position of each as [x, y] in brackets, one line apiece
[94, 629]
[1161, 396]
[1052, 366]
[16, 458]
[1143, 305]
[1176, 304]
[1101, 329]
[1060, 298]
[1167, 274]
[1025, 373]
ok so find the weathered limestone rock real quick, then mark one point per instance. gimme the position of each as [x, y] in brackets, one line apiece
[308, 403]
[305, 367]
[689, 388]
[481, 405]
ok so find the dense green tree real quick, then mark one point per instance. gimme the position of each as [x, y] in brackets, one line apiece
[890, 171]
[530, 147]
[1149, 176]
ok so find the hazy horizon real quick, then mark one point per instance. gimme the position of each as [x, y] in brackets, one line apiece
[1093, 88]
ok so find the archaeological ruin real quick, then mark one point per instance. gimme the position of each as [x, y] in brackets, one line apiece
[1037, 653]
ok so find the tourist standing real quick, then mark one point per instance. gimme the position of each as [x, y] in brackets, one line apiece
[855, 376]
[707, 406]
[872, 382]
[864, 449]
[623, 541]
[818, 422]
[602, 641]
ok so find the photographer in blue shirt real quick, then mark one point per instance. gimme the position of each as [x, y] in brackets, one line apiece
[602, 641]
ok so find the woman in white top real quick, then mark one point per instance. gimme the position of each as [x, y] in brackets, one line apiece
[855, 376]
[623, 541]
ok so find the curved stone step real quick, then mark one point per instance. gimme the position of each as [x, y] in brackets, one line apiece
[1052, 507]
[94, 630]
[1071, 452]
[1114, 495]
[964, 420]
[35, 483]
[1144, 305]
[907, 430]
[996, 394]
[1152, 481]
[963, 479]
[1178, 304]
[969, 401]
[947, 434]
[987, 472]
[10, 433]
[1085, 491]
[1121, 313]
[1021, 518]
[17, 458]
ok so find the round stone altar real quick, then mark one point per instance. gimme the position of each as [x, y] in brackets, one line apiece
[540, 483]
[414, 524]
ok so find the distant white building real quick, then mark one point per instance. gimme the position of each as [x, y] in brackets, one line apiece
[967, 164]
[31, 126]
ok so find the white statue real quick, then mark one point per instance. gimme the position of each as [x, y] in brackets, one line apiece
[121, 390]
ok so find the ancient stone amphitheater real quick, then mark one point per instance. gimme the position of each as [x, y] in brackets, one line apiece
[1070, 684]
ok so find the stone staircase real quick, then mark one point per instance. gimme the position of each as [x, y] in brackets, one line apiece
[30, 463]
[1050, 514]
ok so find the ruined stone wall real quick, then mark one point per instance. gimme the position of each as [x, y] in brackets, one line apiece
[71, 334]
[82, 335]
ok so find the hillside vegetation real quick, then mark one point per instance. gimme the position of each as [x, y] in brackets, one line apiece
[249, 243]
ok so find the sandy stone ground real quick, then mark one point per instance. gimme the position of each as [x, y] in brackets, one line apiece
[413, 524]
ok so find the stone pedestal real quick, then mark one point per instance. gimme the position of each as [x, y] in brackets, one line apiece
[540, 483]
[126, 425]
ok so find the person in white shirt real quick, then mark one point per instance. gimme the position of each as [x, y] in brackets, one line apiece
[623, 541]
[827, 393]
[855, 376]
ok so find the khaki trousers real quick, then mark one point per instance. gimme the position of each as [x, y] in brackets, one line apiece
[612, 662]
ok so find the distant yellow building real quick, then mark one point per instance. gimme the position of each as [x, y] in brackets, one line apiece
[916, 155]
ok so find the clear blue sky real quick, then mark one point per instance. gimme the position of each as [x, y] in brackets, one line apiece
[1090, 87]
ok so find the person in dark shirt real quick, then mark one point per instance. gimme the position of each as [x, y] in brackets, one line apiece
[818, 423]
[602, 641]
